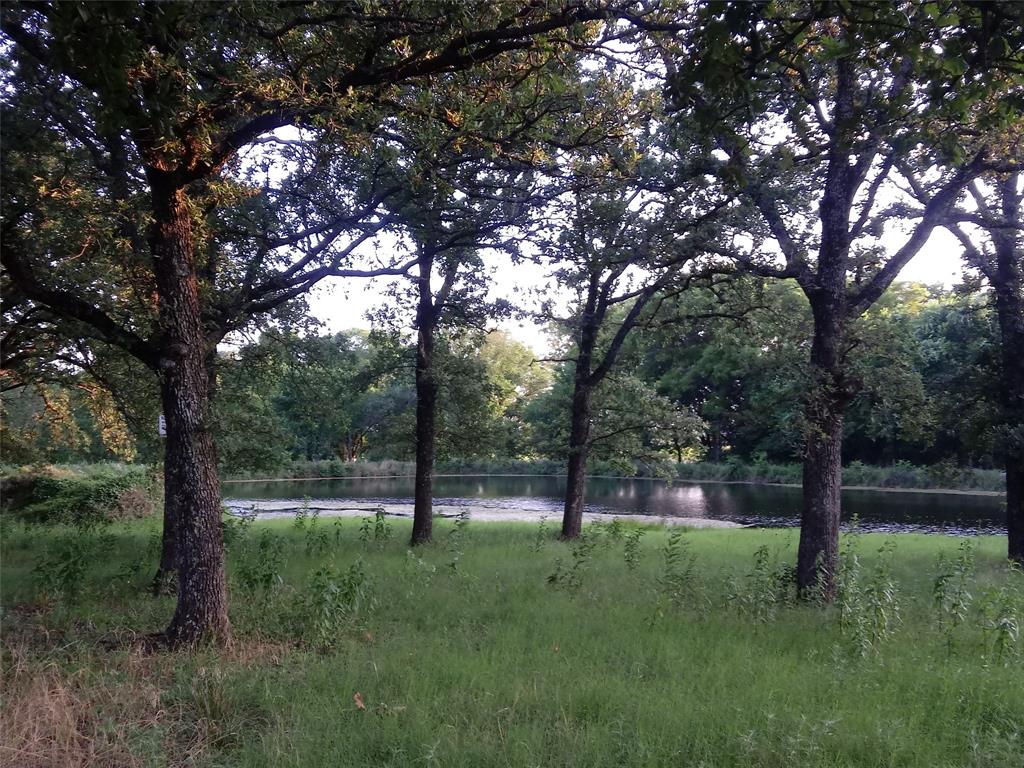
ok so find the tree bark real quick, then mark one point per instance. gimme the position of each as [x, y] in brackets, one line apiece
[579, 420]
[190, 458]
[576, 477]
[818, 553]
[426, 412]
[1009, 294]
[164, 582]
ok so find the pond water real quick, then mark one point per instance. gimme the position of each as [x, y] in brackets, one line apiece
[759, 505]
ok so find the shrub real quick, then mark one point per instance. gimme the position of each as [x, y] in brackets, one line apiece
[56, 495]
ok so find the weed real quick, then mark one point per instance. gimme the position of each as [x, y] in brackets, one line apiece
[318, 541]
[951, 594]
[417, 567]
[260, 569]
[765, 588]
[868, 613]
[540, 537]
[301, 515]
[456, 540]
[570, 577]
[62, 569]
[332, 603]
[236, 527]
[676, 582]
[881, 598]
[375, 529]
[631, 548]
[1000, 612]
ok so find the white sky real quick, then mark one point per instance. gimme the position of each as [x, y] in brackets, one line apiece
[342, 304]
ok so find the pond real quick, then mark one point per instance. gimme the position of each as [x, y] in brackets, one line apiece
[758, 505]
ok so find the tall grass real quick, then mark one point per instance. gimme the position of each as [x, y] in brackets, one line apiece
[363, 654]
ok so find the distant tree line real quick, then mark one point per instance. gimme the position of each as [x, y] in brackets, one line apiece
[724, 387]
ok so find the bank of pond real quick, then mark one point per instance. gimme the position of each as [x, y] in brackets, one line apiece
[534, 497]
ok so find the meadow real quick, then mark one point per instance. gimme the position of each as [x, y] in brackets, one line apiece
[498, 645]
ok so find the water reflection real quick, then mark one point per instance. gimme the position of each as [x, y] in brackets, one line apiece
[766, 506]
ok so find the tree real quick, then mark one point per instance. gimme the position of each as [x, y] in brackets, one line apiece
[516, 379]
[615, 249]
[131, 117]
[460, 203]
[819, 110]
[999, 258]
[734, 357]
[631, 425]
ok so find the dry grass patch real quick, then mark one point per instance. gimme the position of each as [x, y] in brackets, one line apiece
[54, 716]
[123, 707]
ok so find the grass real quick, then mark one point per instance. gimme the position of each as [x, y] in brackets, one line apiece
[463, 654]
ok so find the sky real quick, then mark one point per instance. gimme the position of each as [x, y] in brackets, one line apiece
[342, 304]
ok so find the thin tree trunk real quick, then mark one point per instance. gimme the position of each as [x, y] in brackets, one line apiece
[1015, 506]
[426, 415]
[818, 553]
[579, 414]
[190, 457]
[165, 580]
[1009, 293]
[576, 477]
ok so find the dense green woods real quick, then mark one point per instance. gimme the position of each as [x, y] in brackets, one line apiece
[711, 389]
[721, 196]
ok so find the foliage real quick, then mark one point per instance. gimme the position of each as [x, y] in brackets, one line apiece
[869, 608]
[376, 530]
[61, 571]
[768, 587]
[926, 361]
[259, 569]
[676, 584]
[570, 576]
[84, 498]
[631, 550]
[331, 603]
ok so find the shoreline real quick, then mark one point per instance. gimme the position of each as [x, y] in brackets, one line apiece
[688, 481]
[275, 509]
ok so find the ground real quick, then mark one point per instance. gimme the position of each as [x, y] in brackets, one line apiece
[499, 646]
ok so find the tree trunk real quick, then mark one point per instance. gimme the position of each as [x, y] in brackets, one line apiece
[1009, 294]
[426, 416]
[190, 457]
[715, 450]
[165, 580]
[818, 554]
[576, 477]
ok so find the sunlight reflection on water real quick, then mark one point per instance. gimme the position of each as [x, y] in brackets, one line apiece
[766, 506]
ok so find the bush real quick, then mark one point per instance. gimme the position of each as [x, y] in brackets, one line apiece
[78, 497]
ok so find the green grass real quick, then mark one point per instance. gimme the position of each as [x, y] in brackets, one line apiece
[488, 664]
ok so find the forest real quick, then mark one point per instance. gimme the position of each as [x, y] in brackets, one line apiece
[723, 388]
[705, 207]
